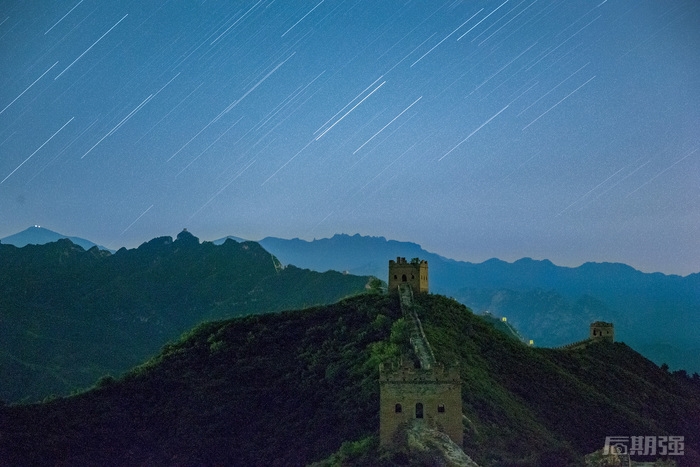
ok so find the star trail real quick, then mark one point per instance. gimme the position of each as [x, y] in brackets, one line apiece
[560, 130]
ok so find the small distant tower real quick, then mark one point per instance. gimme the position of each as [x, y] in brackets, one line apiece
[601, 330]
[413, 273]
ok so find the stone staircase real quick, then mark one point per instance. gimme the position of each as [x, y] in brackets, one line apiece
[420, 343]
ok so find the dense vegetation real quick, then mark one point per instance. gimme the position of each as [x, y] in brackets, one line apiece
[274, 389]
[297, 387]
[70, 316]
[530, 406]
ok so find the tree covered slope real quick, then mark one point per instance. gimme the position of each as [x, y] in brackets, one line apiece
[69, 316]
[289, 388]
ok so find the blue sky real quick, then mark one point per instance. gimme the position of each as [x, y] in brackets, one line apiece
[566, 130]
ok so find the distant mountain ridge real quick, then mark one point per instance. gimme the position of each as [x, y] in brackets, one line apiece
[229, 237]
[37, 235]
[657, 314]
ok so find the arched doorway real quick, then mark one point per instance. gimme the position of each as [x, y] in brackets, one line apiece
[419, 410]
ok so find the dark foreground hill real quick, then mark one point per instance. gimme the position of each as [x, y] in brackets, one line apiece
[69, 316]
[290, 388]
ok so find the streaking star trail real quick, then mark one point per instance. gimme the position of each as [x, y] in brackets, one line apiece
[36, 150]
[476, 129]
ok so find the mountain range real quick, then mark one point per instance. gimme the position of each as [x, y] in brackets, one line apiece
[301, 386]
[656, 314]
[69, 316]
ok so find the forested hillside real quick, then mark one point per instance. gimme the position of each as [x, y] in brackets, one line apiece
[70, 316]
[291, 388]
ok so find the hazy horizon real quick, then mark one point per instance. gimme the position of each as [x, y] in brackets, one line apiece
[471, 260]
[567, 131]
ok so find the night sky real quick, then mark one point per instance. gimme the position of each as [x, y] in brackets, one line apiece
[566, 130]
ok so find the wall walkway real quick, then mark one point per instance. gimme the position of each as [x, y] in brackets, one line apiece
[420, 343]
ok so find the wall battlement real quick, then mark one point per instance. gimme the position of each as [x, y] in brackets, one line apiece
[408, 374]
[600, 331]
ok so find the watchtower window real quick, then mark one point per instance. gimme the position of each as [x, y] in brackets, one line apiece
[419, 410]
[441, 408]
[397, 408]
[403, 278]
[412, 277]
[395, 277]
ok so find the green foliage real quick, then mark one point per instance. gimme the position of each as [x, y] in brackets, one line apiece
[376, 285]
[400, 332]
[382, 352]
[271, 389]
[362, 452]
[298, 387]
[530, 406]
[70, 316]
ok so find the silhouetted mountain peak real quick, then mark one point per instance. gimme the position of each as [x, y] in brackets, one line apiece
[527, 261]
[186, 238]
[155, 244]
[66, 246]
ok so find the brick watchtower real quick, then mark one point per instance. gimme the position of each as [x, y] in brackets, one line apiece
[414, 273]
[408, 395]
[600, 330]
[430, 395]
